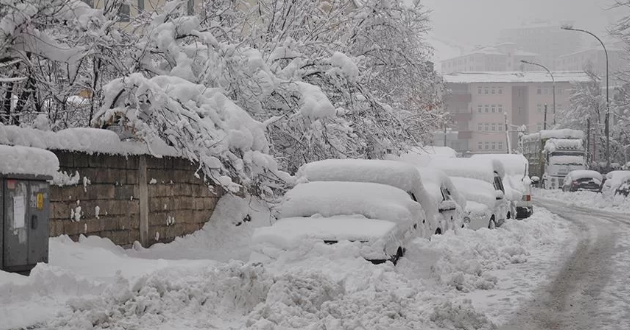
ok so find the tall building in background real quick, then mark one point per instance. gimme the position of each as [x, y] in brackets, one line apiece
[481, 103]
[593, 59]
[543, 38]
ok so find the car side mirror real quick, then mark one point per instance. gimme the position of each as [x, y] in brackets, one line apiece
[499, 194]
[447, 206]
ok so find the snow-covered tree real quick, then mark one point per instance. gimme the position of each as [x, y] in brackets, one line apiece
[52, 51]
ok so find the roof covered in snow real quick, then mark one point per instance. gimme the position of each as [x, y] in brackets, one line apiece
[89, 140]
[514, 77]
[473, 168]
[25, 160]
[584, 174]
[514, 164]
[330, 198]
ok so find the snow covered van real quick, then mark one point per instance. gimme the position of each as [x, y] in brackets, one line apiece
[388, 172]
[516, 182]
[480, 182]
[382, 218]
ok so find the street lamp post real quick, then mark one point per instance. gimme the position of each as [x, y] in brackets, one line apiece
[607, 118]
[554, 86]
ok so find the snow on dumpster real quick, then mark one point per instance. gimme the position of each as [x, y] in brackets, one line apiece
[27, 160]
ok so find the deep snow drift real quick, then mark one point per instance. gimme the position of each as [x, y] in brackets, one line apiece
[456, 281]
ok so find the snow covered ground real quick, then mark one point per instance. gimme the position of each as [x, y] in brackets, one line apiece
[463, 280]
[586, 199]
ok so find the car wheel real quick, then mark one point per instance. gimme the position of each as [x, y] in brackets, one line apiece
[492, 224]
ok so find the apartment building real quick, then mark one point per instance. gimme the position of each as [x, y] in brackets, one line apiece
[594, 59]
[543, 38]
[484, 105]
[502, 57]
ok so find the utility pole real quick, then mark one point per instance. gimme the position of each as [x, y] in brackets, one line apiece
[507, 134]
[545, 122]
[607, 117]
[445, 135]
[588, 142]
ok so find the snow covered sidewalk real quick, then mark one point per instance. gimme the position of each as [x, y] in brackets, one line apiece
[586, 199]
[464, 280]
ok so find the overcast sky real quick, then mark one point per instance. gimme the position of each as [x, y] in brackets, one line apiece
[474, 22]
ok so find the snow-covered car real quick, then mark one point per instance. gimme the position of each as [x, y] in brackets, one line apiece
[612, 181]
[382, 218]
[516, 182]
[624, 188]
[388, 172]
[451, 204]
[480, 182]
[582, 180]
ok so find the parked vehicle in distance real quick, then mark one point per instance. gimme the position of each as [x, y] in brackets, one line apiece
[388, 172]
[480, 182]
[518, 185]
[582, 180]
[612, 180]
[624, 188]
[554, 153]
[382, 218]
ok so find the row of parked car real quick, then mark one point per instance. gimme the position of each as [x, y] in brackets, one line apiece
[385, 203]
[614, 183]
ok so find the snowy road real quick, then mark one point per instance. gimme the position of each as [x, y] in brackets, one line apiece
[590, 291]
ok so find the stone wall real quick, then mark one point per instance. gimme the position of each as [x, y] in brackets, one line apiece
[129, 198]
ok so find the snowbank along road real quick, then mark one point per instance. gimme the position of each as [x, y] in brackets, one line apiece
[591, 290]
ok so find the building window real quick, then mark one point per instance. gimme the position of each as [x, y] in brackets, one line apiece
[500, 127]
[479, 127]
[487, 108]
[479, 90]
[487, 144]
[485, 90]
[494, 145]
[559, 91]
[480, 145]
[479, 108]
[494, 108]
[539, 108]
[500, 108]
[486, 127]
[500, 145]
[124, 13]
[500, 90]
[493, 90]
[140, 5]
[539, 91]
[494, 127]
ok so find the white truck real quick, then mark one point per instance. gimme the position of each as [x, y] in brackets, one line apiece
[552, 154]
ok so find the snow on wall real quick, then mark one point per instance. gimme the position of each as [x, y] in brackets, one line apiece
[88, 140]
[25, 160]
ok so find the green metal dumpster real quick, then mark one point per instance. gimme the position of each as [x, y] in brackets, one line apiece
[24, 206]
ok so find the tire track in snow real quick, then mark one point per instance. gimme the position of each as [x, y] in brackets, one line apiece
[576, 298]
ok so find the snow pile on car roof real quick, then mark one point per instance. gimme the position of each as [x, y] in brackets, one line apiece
[480, 169]
[585, 174]
[372, 200]
[89, 140]
[25, 160]
[387, 172]
[513, 164]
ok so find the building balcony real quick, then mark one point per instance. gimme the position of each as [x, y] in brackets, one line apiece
[464, 135]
